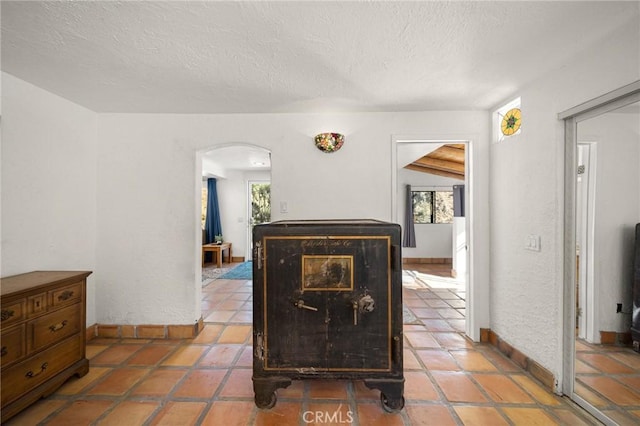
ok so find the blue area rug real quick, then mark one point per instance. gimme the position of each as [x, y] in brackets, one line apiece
[243, 271]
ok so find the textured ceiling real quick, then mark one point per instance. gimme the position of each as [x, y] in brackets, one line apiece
[237, 57]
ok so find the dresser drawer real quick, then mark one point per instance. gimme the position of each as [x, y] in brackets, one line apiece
[43, 338]
[54, 326]
[36, 304]
[20, 378]
[66, 295]
[13, 312]
[13, 345]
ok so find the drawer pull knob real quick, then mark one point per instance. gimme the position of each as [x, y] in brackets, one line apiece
[4, 351]
[58, 326]
[31, 374]
[66, 295]
[300, 305]
[7, 313]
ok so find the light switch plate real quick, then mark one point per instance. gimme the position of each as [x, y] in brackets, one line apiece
[532, 242]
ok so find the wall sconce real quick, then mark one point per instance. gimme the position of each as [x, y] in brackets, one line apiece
[329, 142]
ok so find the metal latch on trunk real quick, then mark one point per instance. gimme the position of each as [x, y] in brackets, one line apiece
[364, 304]
[300, 305]
[259, 349]
[258, 255]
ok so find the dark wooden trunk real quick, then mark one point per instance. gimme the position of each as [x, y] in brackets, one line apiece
[327, 304]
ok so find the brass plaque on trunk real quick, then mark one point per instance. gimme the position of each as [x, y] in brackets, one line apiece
[324, 273]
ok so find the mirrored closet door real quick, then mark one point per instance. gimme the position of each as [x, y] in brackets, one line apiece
[602, 209]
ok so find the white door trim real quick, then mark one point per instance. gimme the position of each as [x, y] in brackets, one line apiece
[477, 287]
[587, 208]
[249, 227]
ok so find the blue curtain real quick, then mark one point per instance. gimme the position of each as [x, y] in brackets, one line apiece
[212, 226]
[409, 237]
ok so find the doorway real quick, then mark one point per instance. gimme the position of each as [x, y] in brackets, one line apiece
[259, 203]
[453, 239]
[236, 167]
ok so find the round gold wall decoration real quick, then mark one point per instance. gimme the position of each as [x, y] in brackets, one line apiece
[511, 122]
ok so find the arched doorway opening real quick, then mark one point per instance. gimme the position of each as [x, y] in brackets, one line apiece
[238, 169]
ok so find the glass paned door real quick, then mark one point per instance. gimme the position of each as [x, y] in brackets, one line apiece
[259, 209]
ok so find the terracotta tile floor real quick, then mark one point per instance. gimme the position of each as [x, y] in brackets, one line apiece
[608, 377]
[207, 380]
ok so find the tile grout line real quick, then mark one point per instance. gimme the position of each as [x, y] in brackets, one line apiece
[447, 341]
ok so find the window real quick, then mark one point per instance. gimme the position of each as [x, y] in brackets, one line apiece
[204, 203]
[260, 202]
[507, 120]
[432, 206]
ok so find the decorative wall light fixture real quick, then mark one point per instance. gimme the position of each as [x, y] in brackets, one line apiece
[329, 142]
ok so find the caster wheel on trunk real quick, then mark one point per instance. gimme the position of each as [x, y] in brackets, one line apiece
[270, 402]
[391, 405]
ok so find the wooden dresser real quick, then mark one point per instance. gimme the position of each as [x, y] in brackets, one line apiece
[43, 335]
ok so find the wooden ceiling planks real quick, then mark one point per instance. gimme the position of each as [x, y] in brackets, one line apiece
[448, 161]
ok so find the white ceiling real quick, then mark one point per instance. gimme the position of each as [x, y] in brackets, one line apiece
[305, 56]
[256, 57]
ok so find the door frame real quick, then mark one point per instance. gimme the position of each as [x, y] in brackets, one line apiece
[197, 207]
[586, 293]
[608, 102]
[476, 284]
[249, 227]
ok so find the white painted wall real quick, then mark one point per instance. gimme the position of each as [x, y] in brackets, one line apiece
[233, 198]
[121, 191]
[48, 184]
[617, 200]
[432, 239]
[148, 168]
[146, 219]
[526, 197]
[209, 168]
